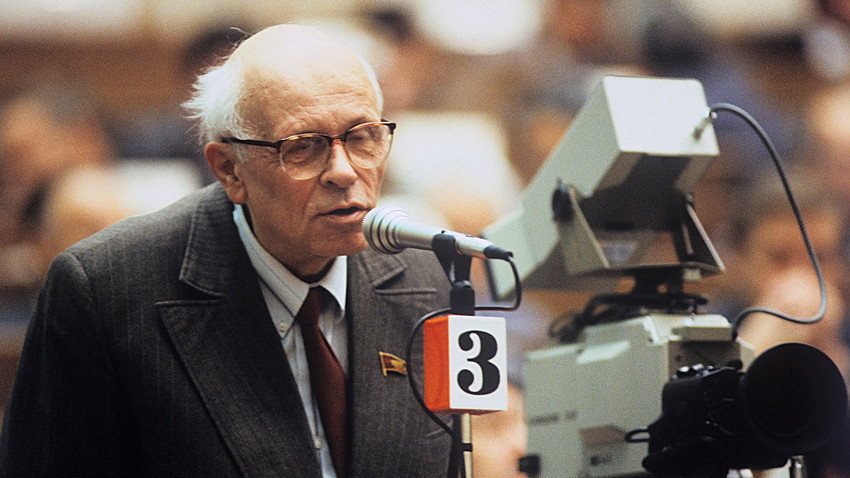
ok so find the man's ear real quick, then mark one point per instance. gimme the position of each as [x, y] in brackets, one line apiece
[227, 168]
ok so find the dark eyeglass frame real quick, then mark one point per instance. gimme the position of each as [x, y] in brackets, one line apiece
[330, 139]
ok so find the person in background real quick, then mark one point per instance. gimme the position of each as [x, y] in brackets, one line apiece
[45, 129]
[198, 340]
[49, 130]
[771, 268]
[827, 115]
[826, 41]
[78, 202]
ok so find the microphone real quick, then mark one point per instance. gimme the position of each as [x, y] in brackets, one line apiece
[389, 230]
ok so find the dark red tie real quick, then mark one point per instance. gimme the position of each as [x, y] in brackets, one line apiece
[327, 379]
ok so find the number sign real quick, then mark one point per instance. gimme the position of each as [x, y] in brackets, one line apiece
[465, 364]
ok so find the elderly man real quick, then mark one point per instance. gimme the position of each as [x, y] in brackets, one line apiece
[176, 344]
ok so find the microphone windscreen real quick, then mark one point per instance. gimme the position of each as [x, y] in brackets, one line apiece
[379, 226]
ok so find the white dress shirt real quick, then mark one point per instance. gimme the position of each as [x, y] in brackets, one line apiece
[284, 293]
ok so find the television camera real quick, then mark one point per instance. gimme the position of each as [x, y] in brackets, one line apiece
[603, 403]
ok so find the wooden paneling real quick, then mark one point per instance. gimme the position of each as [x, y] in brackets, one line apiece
[126, 75]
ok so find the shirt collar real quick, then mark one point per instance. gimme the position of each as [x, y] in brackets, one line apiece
[288, 288]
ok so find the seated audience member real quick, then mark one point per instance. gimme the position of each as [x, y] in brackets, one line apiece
[45, 128]
[771, 267]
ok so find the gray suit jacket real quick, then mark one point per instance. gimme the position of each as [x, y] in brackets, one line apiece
[152, 353]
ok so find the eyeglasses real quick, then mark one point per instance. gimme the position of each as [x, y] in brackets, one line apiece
[304, 156]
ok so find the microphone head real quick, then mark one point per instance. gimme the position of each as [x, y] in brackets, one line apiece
[379, 226]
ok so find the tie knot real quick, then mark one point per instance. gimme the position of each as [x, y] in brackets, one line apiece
[308, 315]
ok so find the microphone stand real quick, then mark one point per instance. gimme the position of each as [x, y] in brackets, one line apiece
[462, 302]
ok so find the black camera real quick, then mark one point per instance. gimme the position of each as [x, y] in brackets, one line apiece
[789, 402]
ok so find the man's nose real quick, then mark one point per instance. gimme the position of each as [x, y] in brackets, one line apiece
[339, 170]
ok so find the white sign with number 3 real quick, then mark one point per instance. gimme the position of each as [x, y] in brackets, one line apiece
[465, 364]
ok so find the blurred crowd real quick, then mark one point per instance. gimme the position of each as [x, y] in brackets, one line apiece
[473, 130]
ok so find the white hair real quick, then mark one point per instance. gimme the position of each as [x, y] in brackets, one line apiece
[214, 104]
[373, 78]
[216, 98]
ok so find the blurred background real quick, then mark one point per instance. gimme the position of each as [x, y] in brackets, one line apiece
[91, 130]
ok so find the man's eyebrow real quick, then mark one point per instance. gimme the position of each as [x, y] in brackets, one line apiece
[351, 124]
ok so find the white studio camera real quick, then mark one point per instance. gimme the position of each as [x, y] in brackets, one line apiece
[647, 384]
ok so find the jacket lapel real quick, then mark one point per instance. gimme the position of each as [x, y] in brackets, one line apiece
[226, 340]
[382, 307]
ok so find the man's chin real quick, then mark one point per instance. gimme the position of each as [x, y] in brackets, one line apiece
[348, 247]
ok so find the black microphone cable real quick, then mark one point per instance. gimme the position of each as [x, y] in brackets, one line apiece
[774, 155]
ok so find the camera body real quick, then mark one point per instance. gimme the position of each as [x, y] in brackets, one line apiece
[582, 398]
[789, 402]
[722, 409]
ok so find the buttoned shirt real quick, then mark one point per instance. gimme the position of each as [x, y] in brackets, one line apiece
[284, 293]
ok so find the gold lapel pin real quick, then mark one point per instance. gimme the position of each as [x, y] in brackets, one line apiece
[391, 363]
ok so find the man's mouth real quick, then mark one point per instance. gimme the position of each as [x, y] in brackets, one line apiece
[344, 211]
